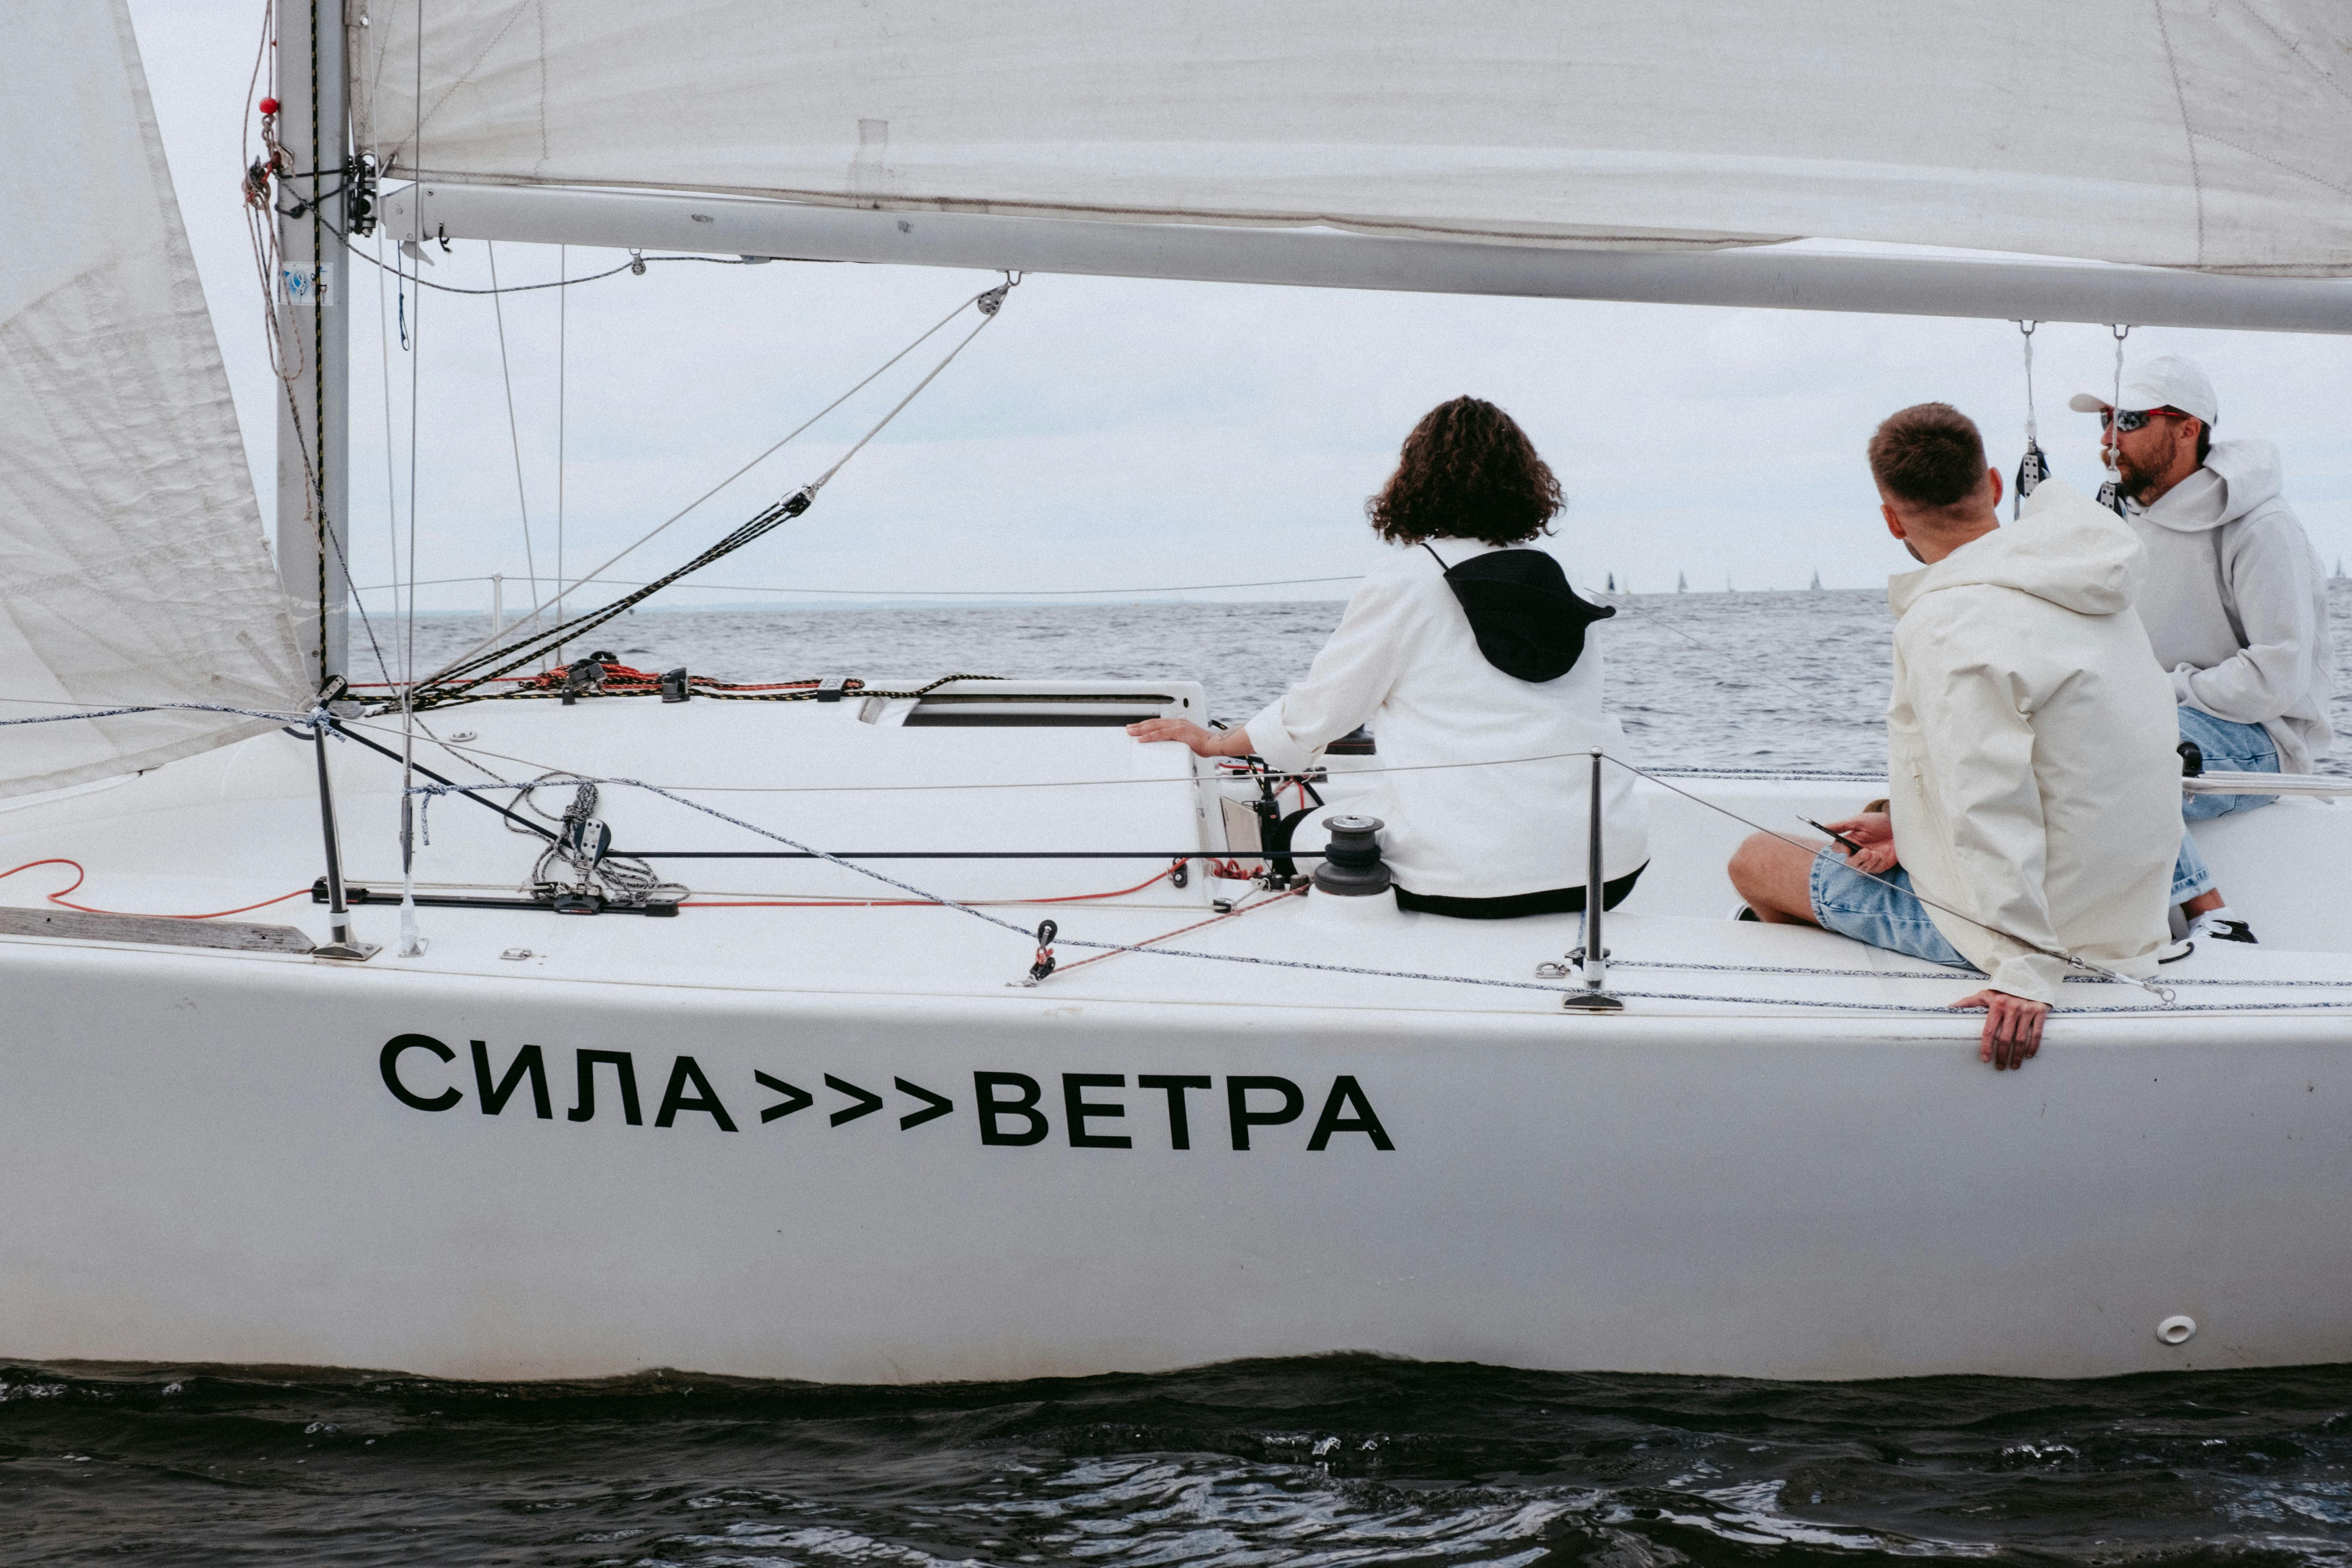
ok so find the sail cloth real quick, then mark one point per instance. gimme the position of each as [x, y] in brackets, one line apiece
[2194, 133]
[131, 563]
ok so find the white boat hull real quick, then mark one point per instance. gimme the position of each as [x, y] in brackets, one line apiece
[1750, 1172]
[206, 1163]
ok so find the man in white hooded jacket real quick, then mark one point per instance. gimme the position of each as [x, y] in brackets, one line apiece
[2235, 600]
[2033, 788]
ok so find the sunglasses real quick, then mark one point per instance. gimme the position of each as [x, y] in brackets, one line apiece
[2131, 419]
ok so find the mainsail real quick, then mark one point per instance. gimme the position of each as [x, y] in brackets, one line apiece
[132, 570]
[2189, 134]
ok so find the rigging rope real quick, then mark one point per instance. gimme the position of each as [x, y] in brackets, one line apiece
[637, 264]
[2111, 451]
[2033, 468]
[486, 651]
[514, 435]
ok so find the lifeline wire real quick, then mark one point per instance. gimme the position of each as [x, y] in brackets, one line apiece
[918, 593]
[319, 719]
[2151, 986]
[2169, 1002]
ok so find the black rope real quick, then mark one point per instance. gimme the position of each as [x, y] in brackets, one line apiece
[530, 648]
[521, 822]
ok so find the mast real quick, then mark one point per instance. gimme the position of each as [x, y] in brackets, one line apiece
[314, 429]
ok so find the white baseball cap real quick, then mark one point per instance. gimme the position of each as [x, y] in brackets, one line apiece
[2167, 380]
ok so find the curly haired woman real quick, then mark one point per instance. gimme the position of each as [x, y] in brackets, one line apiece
[1464, 650]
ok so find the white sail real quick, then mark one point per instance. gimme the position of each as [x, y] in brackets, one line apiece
[132, 564]
[2171, 132]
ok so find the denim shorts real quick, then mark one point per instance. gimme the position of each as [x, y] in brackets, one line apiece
[1880, 910]
[2229, 748]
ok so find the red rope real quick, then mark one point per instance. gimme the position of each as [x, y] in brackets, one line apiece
[1196, 925]
[59, 897]
[621, 679]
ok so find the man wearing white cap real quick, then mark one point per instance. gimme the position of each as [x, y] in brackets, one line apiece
[2235, 601]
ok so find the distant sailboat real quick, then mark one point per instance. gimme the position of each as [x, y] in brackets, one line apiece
[1682, 584]
[1816, 584]
[1612, 582]
[1726, 584]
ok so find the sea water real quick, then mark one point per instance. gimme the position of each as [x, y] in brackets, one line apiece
[1721, 680]
[1320, 1463]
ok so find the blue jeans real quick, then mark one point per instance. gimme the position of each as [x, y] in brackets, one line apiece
[1880, 910]
[2228, 748]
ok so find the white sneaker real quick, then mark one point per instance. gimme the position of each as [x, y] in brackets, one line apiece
[1741, 912]
[2220, 925]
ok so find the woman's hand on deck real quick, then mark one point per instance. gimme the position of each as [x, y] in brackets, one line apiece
[1205, 743]
[1875, 831]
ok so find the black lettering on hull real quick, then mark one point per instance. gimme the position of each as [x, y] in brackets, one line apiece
[1010, 1108]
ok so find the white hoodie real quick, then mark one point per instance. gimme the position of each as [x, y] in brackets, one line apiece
[2235, 601]
[2030, 740]
[1406, 661]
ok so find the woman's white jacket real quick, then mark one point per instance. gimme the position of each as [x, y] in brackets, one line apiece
[1468, 814]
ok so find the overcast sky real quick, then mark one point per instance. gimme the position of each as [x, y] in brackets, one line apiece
[1114, 434]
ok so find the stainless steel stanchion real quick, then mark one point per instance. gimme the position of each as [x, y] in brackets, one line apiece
[339, 919]
[1594, 957]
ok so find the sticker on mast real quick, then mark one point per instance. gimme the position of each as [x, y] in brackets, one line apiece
[1007, 1110]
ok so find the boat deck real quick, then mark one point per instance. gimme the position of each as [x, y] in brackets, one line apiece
[239, 827]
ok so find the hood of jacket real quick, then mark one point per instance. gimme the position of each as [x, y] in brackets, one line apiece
[1528, 622]
[2238, 477]
[2064, 548]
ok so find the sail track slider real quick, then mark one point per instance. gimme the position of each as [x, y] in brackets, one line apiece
[595, 904]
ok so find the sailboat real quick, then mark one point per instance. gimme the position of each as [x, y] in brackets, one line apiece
[1815, 585]
[914, 1084]
[1682, 584]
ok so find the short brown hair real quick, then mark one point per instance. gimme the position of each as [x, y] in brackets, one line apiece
[1467, 471]
[1929, 455]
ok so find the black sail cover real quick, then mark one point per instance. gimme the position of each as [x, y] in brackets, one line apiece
[1529, 623]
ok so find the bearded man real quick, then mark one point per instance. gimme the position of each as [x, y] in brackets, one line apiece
[2234, 601]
